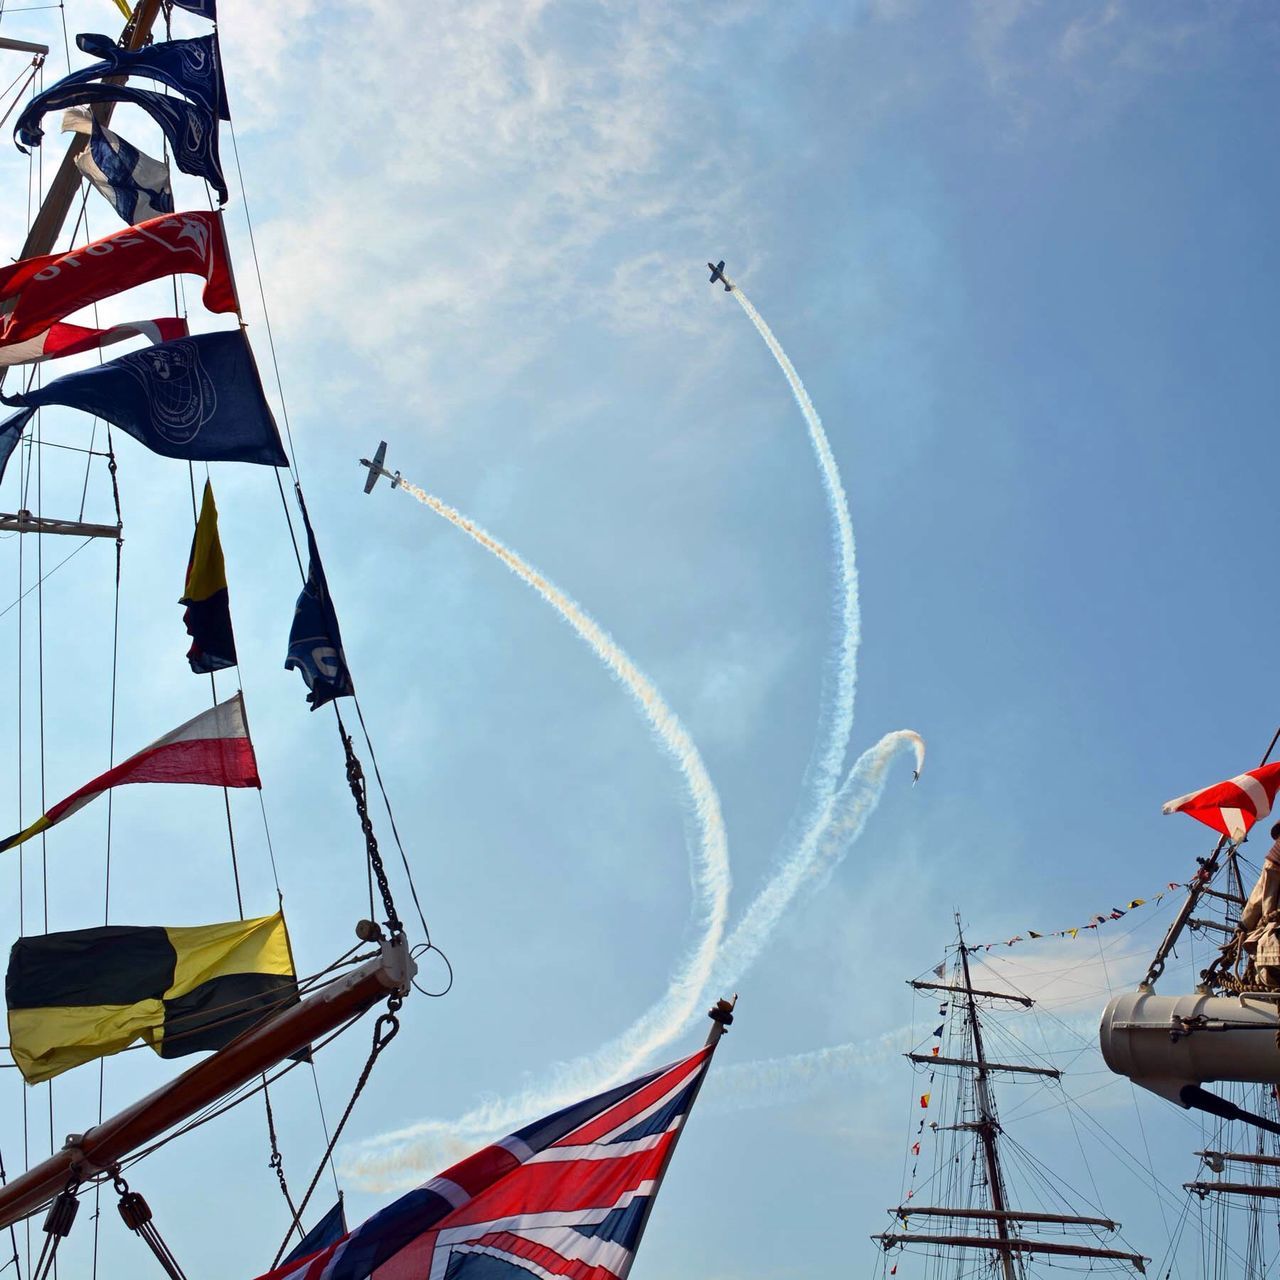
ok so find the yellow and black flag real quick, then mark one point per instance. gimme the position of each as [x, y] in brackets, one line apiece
[89, 993]
[208, 614]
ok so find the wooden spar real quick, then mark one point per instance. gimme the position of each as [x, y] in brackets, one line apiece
[1195, 923]
[986, 1114]
[62, 190]
[975, 991]
[1260, 1191]
[928, 1060]
[1010, 1215]
[1234, 898]
[1242, 1157]
[24, 46]
[25, 522]
[1006, 1248]
[249, 1055]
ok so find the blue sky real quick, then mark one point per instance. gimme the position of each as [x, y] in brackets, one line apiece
[1021, 256]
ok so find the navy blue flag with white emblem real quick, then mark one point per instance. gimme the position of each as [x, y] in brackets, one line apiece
[197, 398]
[192, 129]
[204, 8]
[315, 642]
[192, 67]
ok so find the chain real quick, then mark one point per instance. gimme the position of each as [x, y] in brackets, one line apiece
[384, 1031]
[359, 790]
[276, 1161]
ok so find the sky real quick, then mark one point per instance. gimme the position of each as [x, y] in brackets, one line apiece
[1021, 256]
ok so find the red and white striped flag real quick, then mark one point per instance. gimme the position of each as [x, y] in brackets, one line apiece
[71, 339]
[1232, 807]
[213, 750]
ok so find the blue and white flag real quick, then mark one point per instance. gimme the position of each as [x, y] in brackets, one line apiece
[191, 128]
[203, 8]
[137, 186]
[192, 67]
[10, 433]
[195, 398]
[315, 641]
[329, 1230]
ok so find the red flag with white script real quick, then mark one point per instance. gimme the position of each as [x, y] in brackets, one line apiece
[50, 287]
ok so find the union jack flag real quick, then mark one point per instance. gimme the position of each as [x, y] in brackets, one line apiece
[567, 1196]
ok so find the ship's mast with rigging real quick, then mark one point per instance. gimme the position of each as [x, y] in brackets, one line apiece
[1006, 1243]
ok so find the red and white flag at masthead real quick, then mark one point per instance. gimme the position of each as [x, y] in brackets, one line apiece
[1232, 807]
[73, 339]
[211, 749]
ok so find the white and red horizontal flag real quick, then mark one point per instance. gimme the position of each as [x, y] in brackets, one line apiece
[212, 750]
[73, 339]
[1232, 807]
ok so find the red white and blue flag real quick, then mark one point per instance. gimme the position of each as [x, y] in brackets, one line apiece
[565, 1197]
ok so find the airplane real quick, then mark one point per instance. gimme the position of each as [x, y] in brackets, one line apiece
[376, 469]
[717, 273]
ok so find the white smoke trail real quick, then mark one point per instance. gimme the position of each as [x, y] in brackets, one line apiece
[772, 1081]
[838, 721]
[821, 850]
[405, 1153]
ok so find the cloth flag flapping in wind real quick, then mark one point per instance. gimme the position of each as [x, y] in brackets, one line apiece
[198, 398]
[315, 641]
[204, 8]
[208, 612]
[136, 186]
[1232, 807]
[88, 993]
[190, 123]
[74, 339]
[567, 1196]
[211, 749]
[52, 286]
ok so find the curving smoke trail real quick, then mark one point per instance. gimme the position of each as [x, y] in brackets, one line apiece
[837, 723]
[819, 852]
[403, 1153]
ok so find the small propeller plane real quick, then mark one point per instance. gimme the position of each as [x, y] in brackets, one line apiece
[717, 273]
[376, 469]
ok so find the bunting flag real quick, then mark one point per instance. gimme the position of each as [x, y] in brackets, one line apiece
[924, 1100]
[938, 1030]
[74, 339]
[211, 749]
[915, 1148]
[191, 67]
[208, 612]
[89, 993]
[1094, 922]
[1232, 807]
[197, 398]
[934, 1050]
[52, 286]
[565, 1198]
[329, 1230]
[136, 186]
[315, 641]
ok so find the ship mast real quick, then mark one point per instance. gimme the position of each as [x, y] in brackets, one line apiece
[1006, 1243]
[988, 1127]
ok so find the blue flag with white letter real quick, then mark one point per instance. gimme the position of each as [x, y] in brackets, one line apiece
[315, 642]
[197, 398]
[205, 8]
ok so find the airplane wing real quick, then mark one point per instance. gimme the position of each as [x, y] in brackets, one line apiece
[381, 454]
[372, 480]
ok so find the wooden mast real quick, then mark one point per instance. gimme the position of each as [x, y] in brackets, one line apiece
[988, 1126]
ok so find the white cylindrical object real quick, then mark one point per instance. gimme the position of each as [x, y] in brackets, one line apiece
[1165, 1043]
